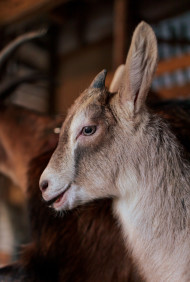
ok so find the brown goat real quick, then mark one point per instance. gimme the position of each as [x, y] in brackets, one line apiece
[23, 135]
[14, 163]
[112, 145]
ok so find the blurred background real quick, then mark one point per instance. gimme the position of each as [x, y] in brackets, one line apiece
[82, 38]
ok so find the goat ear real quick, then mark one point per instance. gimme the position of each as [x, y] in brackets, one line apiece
[117, 78]
[140, 67]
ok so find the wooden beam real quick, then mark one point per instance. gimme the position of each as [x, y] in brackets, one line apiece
[119, 32]
[175, 91]
[173, 64]
[13, 10]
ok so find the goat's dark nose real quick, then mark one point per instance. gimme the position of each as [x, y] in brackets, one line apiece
[43, 185]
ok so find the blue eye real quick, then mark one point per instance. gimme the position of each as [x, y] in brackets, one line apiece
[89, 130]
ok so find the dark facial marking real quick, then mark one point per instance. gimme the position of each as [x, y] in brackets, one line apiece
[82, 153]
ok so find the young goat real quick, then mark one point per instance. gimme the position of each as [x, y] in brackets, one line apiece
[85, 244]
[77, 247]
[112, 145]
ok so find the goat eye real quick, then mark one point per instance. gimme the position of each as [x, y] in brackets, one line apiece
[89, 130]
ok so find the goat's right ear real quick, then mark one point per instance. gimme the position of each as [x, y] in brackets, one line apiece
[139, 68]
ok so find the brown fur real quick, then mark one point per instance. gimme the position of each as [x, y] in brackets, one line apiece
[22, 133]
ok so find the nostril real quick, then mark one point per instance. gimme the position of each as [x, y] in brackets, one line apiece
[43, 185]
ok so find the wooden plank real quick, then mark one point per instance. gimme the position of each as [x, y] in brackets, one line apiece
[12, 10]
[175, 91]
[119, 32]
[173, 64]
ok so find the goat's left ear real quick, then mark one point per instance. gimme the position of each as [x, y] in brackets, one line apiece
[139, 68]
[118, 75]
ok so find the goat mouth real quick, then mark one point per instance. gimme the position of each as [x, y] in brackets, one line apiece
[58, 198]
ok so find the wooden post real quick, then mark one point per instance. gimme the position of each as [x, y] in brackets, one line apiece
[119, 32]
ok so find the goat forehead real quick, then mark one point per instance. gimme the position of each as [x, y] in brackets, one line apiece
[86, 116]
[87, 108]
[80, 119]
[88, 111]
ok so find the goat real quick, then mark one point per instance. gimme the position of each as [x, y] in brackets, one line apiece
[113, 145]
[26, 136]
[15, 164]
[7, 86]
[76, 247]
[52, 255]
